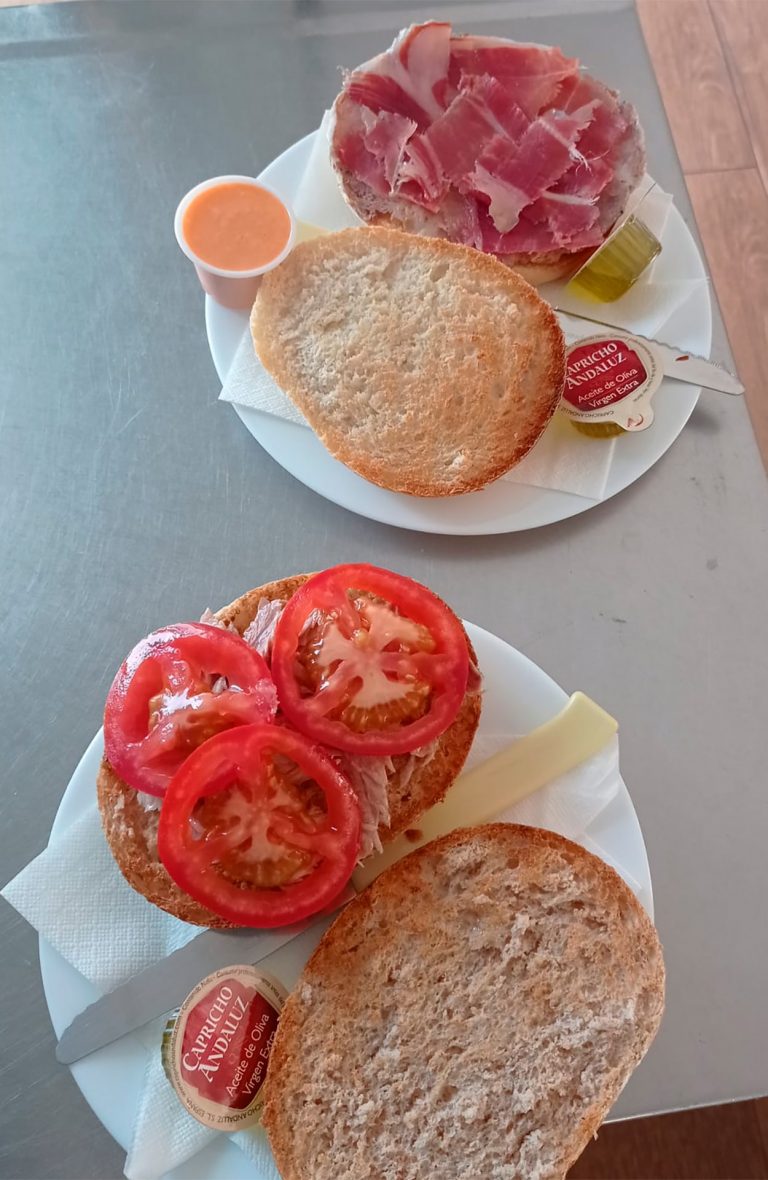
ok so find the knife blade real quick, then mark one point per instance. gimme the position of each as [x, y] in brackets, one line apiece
[580, 730]
[162, 986]
[678, 363]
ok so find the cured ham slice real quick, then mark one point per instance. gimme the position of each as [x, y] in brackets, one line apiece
[514, 179]
[569, 218]
[480, 112]
[460, 220]
[500, 107]
[530, 74]
[421, 173]
[507, 147]
[410, 79]
[355, 157]
[385, 139]
[585, 178]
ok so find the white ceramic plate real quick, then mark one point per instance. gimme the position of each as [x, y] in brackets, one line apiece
[518, 697]
[502, 507]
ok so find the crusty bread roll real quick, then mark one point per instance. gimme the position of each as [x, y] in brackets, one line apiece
[473, 1013]
[131, 828]
[426, 367]
[432, 191]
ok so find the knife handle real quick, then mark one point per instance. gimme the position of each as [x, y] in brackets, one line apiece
[580, 730]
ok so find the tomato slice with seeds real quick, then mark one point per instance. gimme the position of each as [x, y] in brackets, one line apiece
[177, 688]
[260, 826]
[368, 661]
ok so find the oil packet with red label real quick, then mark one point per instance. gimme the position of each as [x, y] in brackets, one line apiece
[612, 378]
[216, 1048]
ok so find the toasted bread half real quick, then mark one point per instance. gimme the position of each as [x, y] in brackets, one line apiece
[426, 367]
[473, 1013]
[131, 828]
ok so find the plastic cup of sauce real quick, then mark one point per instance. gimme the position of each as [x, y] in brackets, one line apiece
[233, 229]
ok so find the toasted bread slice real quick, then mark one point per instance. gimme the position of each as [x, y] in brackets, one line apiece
[131, 828]
[474, 1013]
[425, 366]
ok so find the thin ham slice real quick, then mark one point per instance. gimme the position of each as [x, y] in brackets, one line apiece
[515, 179]
[422, 176]
[410, 79]
[352, 154]
[586, 178]
[577, 90]
[530, 74]
[479, 113]
[385, 138]
[499, 107]
[530, 237]
[605, 130]
[455, 137]
[569, 218]
[526, 237]
[460, 219]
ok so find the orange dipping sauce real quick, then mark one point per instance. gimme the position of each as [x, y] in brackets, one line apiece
[236, 226]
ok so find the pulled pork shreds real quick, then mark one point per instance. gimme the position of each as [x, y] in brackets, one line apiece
[369, 777]
[258, 634]
[149, 802]
[209, 617]
[261, 630]
[421, 757]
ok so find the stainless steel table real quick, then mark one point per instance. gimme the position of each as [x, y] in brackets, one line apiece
[130, 498]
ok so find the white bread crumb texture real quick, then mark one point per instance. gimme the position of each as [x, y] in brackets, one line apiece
[426, 367]
[478, 1024]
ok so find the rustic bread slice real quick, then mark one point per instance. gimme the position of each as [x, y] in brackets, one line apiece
[425, 366]
[474, 1013]
[131, 828]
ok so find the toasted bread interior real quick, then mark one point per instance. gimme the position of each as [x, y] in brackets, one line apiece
[473, 1013]
[426, 367]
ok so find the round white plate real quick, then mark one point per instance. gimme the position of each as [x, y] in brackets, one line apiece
[518, 697]
[502, 507]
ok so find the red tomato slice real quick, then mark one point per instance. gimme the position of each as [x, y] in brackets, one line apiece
[368, 661]
[260, 826]
[177, 688]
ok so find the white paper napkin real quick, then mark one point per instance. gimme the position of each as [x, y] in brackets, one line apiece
[563, 459]
[75, 896]
[318, 198]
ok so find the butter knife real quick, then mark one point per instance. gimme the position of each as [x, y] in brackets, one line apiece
[580, 730]
[677, 362]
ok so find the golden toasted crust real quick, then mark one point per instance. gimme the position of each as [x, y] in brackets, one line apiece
[545, 268]
[440, 976]
[131, 830]
[131, 833]
[425, 366]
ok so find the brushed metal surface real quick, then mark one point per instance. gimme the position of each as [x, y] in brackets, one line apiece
[130, 498]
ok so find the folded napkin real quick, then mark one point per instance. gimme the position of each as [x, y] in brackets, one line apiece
[76, 897]
[563, 459]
